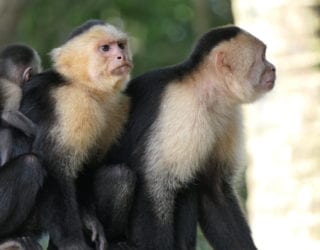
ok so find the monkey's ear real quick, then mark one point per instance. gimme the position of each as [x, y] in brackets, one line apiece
[26, 76]
[221, 62]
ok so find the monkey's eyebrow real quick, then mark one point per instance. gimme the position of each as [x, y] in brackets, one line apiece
[115, 40]
[120, 40]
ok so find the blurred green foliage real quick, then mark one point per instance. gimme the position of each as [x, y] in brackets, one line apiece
[162, 32]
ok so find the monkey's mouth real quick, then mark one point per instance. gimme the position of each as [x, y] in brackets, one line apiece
[122, 69]
[270, 84]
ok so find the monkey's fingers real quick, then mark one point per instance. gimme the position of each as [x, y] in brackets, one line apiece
[10, 245]
[98, 236]
[97, 232]
[23, 243]
[101, 243]
[94, 233]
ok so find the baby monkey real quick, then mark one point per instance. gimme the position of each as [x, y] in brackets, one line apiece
[18, 63]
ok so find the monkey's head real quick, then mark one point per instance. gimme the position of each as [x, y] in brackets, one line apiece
[237, 62]
[96, 54]
[18, 63]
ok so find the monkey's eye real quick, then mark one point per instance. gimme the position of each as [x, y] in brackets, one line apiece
[121, 45]
[105, 48]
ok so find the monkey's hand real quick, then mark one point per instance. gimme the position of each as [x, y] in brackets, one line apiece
[23, 243]
[97, 233]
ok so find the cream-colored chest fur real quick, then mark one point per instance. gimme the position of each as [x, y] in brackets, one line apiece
[184, 136]
[86, 123]
[187, 134]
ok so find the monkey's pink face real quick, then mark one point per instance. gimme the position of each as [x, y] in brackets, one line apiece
[262, 73]
[253, 75]
[246, 72]
[116, 58]
[268, 77]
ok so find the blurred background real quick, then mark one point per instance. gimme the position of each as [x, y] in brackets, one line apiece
[282, 191]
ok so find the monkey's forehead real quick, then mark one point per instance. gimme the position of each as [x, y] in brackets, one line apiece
[247, 38]
[98, 34]
[109, 32]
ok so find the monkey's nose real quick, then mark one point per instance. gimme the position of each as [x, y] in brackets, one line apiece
[121, 56]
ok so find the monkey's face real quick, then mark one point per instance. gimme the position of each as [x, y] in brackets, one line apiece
[99, 58]
[111, 62]
[261, 73]
[115, 58]
[266, 79]
[247, 73]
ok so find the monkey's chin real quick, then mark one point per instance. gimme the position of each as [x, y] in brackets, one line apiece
[265, 86]
[269, 85]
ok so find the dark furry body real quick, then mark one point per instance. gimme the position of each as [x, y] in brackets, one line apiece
[32, 180]
[208, 199]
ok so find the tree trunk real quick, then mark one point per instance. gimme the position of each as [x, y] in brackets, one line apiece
[10, 12]
[283, 136]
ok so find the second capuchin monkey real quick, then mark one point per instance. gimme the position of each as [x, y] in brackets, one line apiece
[80, 111]
[18, 63]
[184, 138]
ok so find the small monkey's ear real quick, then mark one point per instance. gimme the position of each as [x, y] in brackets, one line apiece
[26, 76]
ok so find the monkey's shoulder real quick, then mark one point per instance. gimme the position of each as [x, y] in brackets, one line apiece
[155, 81]
[145, 92]
[43, 81]
[39, 87]
[38, 102]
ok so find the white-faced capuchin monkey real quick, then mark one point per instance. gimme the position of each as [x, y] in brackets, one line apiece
[184, 139]
[80, 111]
[18, 63]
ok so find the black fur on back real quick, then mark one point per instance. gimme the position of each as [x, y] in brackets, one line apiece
[202, 48]
[37, 97]
[84, 27]
[39, 105]
[37, 102]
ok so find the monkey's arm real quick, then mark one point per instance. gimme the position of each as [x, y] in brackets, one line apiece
[60, 214]
[17, 120]
[220, 216]
[151, 224]
[20, 181]
[93, 228]
[186, 218]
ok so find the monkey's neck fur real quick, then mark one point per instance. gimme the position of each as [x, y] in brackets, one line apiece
[195, 125]
[89, 121]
